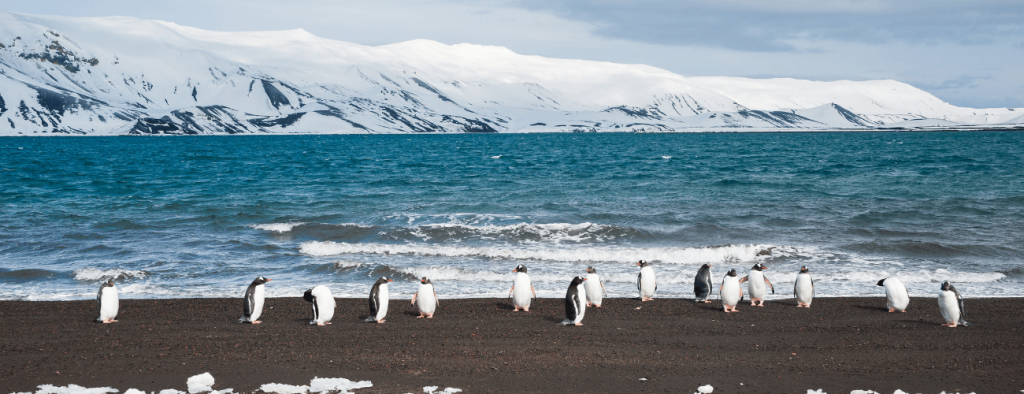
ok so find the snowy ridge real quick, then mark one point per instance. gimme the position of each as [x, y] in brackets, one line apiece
[118, 75]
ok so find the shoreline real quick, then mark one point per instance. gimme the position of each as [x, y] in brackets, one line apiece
[481, 345]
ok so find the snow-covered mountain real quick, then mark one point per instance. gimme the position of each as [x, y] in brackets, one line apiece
[122, 75]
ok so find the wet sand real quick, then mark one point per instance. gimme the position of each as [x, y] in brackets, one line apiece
[481, 345]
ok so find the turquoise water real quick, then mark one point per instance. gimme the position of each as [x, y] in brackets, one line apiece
[203, 216]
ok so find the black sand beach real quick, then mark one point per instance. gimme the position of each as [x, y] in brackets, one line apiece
[481, 345]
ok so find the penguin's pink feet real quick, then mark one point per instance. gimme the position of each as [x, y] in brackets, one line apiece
[646, 299]
[321, 323]
[257, 322]
[597, 306]
[903, 311]
[381, 321]
[891, 310]
[589, 305]
[420, 316]
[707, 301]
[108, 321]
[430, 316]
[950, 324]
[579, 324]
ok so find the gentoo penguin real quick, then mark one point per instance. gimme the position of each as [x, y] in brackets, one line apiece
[107, 300]
[428, 299]
[730, 291]
[594, 288]
[803, 289]
[952, 306]
[756, 287]
[645, 281]
[896, 294]
[702, 285]
[252, 304]
[522, 289]
[323, 304]
[379, 300]
[575, 302]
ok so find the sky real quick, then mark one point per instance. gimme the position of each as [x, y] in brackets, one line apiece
[968, 53]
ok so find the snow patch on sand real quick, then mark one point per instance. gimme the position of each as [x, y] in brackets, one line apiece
[72, 389]
[278, 388]
[433, 390]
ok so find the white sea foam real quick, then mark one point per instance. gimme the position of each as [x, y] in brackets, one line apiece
[95, 274]
[279, 228]
[664, 255]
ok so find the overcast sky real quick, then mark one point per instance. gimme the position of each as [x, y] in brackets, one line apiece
[968, 53]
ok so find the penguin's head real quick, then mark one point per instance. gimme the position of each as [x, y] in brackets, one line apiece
[260, 280]
[591, 270]
[946, 286]
[759, 267]
[731, 272]
[804, 270]
[642, 263]
[384, 280]
[308, 295]
[882, 282]
[425, 281]
[110, 282]
[577, 280]
[520, 268]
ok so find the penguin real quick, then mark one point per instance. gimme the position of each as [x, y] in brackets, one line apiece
[594, 288]
[730, 291]
[896, 294]
[106, 299]
[803, 289]
[521, 290]
[756, 287]
[379, 300]
[323, 304]
[252, 302]
[575, 302]
[428, 299]
[702, 284]
[645, 281]
[952, 306]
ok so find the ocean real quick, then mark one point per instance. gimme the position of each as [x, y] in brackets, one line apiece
[183, 217]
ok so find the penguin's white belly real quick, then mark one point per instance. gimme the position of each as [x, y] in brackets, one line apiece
[108, 304]
[731, 291]
[896, 294]
[382, 302]
[425, 300]
[521, 295]
[325, 304]
[593, 286]
[582, 307]
[949, 306]
[755, 285]
[647, 282]
[258, 294]
[804, 288]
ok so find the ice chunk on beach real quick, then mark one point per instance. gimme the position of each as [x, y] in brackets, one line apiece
[818, 391]
[433, 390]
[705, 389]
[864, 392]
[200, 383]
[320, 385]
[134, 391]
[73, 389]
[898, 391]
[172, 391]
[278, 388]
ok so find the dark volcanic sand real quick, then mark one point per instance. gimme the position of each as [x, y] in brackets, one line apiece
[480, 345]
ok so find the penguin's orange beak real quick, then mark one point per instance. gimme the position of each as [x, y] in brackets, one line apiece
[268, 279]
[584, 279]
[391, 280]
[637, 263]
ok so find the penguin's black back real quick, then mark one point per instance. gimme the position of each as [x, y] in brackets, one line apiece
[702, 283]
[374, 298]
[572, 301]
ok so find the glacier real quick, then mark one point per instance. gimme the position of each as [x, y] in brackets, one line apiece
[127, 76]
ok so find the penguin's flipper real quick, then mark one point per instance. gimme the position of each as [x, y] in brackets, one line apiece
[437, 301]
[603, 289]
[794, 288]
[744, 279]
[638, 276]
[316, 311]
[769, 284]
[812, 288]
[960, 303]
[533, 291]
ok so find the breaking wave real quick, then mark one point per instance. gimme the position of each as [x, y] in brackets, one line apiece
[96, 274]
[671, 255]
